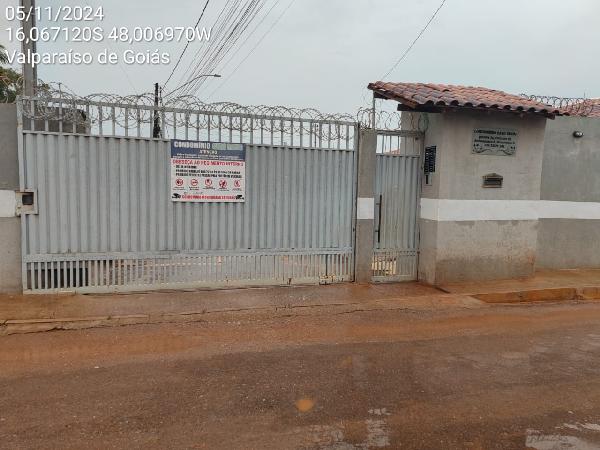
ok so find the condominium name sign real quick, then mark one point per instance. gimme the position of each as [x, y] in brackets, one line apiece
[495, 141]
[208, 172]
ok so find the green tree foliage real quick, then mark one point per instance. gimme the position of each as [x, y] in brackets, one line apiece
[10, 80]
[3, 55]
[10, 85]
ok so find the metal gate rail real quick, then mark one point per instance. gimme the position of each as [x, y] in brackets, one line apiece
[136, 272]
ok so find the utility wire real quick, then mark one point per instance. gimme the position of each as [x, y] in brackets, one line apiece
[236, 24]
[187, 44]
[239, 28]
[273, 6]
[414, 42]
[186, 76]
[253, 48]
[123, 70]
[224, 27]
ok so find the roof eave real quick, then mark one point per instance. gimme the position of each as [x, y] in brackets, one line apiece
[440, 109]
[406, 104]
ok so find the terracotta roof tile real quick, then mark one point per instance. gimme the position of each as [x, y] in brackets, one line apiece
[424, 95]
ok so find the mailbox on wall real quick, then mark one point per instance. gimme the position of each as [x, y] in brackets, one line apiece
[493, 180]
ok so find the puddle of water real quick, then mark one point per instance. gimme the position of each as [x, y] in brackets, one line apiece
[332, 437]
[539, 441]
[582, 426]
[377, 434]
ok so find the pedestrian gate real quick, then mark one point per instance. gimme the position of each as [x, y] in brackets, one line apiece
[397, 188]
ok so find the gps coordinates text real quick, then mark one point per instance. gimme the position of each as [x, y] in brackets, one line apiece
[84, 24]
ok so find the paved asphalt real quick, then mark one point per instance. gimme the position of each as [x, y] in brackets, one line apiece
[510, 377]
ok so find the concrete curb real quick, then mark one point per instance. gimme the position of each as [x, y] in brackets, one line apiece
[418, 303]
[589, 292]
[542, 295]
[411, 303]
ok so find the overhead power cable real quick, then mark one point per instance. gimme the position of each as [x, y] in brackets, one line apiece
[273, 25]
[134, 90]
[194, 60]
[414, 42]
[233, 25]
[249, 15]
[222, 29]
[186, 45]
[273, 6]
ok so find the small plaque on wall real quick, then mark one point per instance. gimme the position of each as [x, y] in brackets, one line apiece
[495, 141]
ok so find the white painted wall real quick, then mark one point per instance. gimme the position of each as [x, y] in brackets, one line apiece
[569, 231]
[468, 210]
[469, 232]
[461, 171]
[8, 203]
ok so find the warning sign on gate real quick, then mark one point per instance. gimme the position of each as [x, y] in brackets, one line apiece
[203, 171]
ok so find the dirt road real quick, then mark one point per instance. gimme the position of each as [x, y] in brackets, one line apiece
[499, 377]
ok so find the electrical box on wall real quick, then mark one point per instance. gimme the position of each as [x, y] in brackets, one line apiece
[26, 202]
[493, 180]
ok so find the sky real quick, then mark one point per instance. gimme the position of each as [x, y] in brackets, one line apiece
[323, 53]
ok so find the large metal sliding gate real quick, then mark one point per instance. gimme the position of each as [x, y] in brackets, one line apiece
[397, 188]
[103, 220]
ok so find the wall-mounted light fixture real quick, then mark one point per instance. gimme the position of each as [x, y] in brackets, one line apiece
[577, 134]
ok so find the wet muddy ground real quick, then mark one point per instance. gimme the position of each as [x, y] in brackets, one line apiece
[510, 377]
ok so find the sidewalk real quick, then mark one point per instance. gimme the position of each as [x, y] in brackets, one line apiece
[545, 285]
[30, 313]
